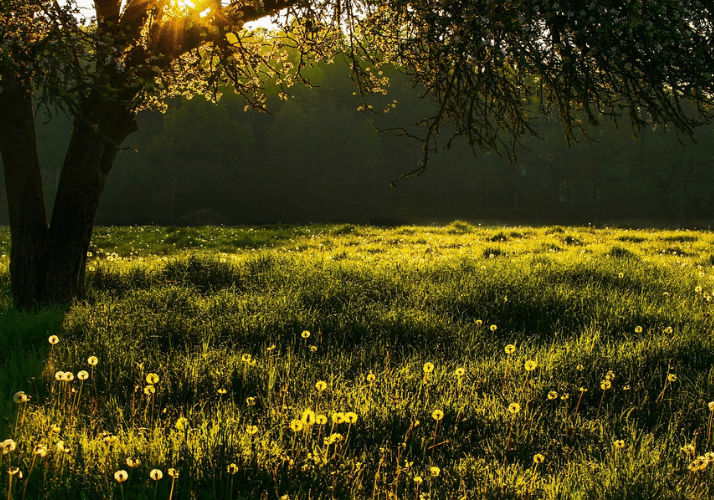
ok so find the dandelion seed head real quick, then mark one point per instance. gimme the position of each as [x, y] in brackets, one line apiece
[59, 375]
[531, 365]
[121, 475]
[156, 474]
[437, 415]
[232, 469]
[20, 397]
[173, 473]
[53, 339]
[82, 375]
[40, 450]
[428, 367]
[510, 349]
[321, 385]
[7, 446]
[92, 360]
[133, 462]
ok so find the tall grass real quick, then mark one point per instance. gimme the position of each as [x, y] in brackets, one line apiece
[353, 362]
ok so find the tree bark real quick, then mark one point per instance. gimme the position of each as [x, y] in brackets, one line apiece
[25, 197]
[94, 144]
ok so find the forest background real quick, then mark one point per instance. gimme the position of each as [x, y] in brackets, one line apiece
[316, 158]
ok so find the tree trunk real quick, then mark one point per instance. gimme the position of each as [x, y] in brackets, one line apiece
[94, 144]
[25, 197]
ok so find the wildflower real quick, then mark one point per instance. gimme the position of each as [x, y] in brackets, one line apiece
[493, 328]
[14, 470]
[181, 423]
[152, 379]
[437, 415]
[121, 476]
[20, 397]
[173, 473]
[605, 385]
[92, 360]
[133, 462]
[82, 375]
[428, 367]
[320, 419]
[252, 429]
[552, 395]
[7, 446]
[370, 377]
[321, 385]
[308, 417]
[232, 469]
[510, 349]
[580, 368]
[638, 329]
[53, 339]
[583, 389]
[698, 289]
[479, 322]
[710, 404]
[619, 444]
[335, 437]
[610, 375]
[626, 387]
[538, 458]
[514, 408]
[245, 358]
[531, 365]
[305, 334]
[565, 397]
[68, 376]
[156, 474]
[621, 275]
[435, 471]
[296, 426]
[313, 348]
[350, 417]
[338, 417]
[418, 479]
[222, 391]
[671, 377]
[40, 450]
[459, 372]
[250, 401]
[61, 447]
[59, 375]
[149, 390]
[668, 330]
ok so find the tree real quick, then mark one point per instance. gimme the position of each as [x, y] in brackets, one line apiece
[484, 63]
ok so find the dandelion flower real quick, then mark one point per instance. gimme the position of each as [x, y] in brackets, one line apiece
[252, 429]
[305, 334]
[68, 376]
[296, 425]
[133, 462]
[580, 368]
[222, 391]
[552, 395]
[335, 437]
[156, 474]
[621, 275]
[610, 375]
[626, 387]
[698, 289]
[20, 397]
[7, 446]
[538, 458]
[308, 417]
[82, 375]
[152, 379]
[350, 417]
[40, 450]
[320, 419]
[313, 348]
[583, 389]
[479, 322]
[619, 444]
[121, 476]
[59, 375]
[173, 473]
[514, 408]
[338, 417]
[92, 360]
[510, 349]
[418, 479]
[232, 469]
[245, 358]
[605, 385]
[672, 377]
[435, 471]
[55, 428]
[53, 339]
[149, 390]
[710, 404]
[370, 377]
[250, 401]
[321, 385]
[493, 328]
[668, 330]
[437, 415]
[428, 367]
[531, 365]
[638, 329]
[459, 372]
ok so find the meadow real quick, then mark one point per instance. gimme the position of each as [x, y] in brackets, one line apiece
[352, 362]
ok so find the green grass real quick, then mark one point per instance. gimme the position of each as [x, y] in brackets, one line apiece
[219, 314]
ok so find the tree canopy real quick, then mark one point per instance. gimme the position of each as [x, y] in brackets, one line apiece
[491, 67]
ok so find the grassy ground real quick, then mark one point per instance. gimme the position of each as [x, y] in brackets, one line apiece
[350, 362]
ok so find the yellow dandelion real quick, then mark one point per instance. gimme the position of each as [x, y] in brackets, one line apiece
[459, 372]
[698, 289]
[245, 358]
[222, 391]
[580, 368]
[428, 367]
[493, 328]
[531, 365]
[619, 444]
[55, 428]
[514, 408]
[20, 397]
[321, 385]
[53, 339]
[250, 401]
[371, 378]
[434, 471]
[672, 377]
[583, 389]
[710, 404]
[552, 395]
[479, 322]
[626, 387]
[152, 379]
[305, 334]
[621, 275]
[335, 437]
[252, 429]
[338, 417]
[638, 329]
[121, 475]
[149, 390]
[296, 426]
[313, 348]
[68, 376]
[350, 417]
[510, 349]
[605, 385]
[173, 473]
[232, 469]
[437, 415]
[320, 419]
[92, 360]
[308, 417]
[538, 458]
[668, 330]
[418, 479]
[82, 375]
[181, 423]
[133, 462]
[610, 375]
[156, 474]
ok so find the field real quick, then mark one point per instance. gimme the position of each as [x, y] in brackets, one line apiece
[340, 361]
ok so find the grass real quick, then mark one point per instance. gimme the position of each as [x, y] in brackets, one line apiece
[321, 362]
